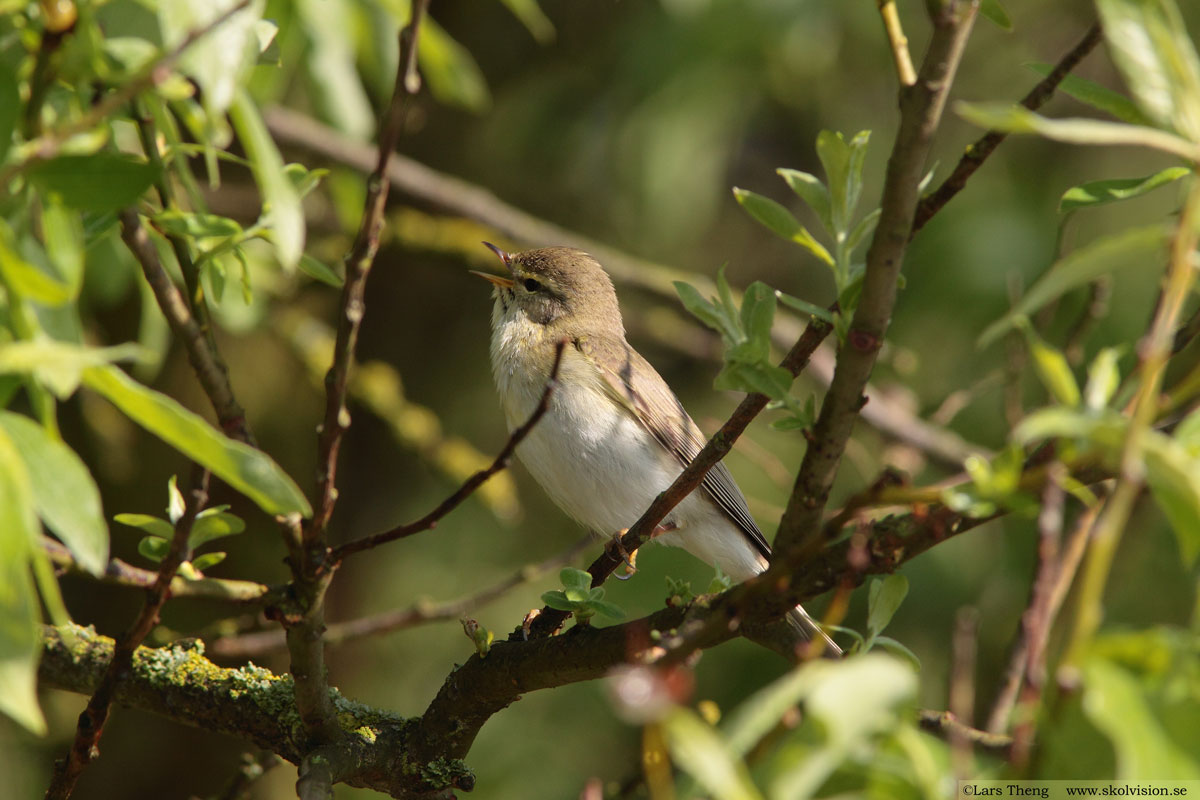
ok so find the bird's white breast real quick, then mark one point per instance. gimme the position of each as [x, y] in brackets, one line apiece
[593, 457]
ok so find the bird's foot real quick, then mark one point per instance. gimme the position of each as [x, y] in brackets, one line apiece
[616, 547]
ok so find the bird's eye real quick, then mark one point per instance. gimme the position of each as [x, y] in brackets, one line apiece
[531, 285]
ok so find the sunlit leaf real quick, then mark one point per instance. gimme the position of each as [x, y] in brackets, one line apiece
[1103, 379]
[58, 365]
[64, 493]
[1016, 119]
[10, 107]
[1052, 368]
[207, 560]
[805, 307]
[450, 70]
[533, 18]
[246, 469]
[811, 191]
[699, 751]
[781, 222]
[154, 526]
[281, 201]
[1132, 246]
[219, 60]
[63, 234]
[1174, 478]
[329, 64]
[320, 271]
[1095, 193]
[18, 600]
[198, 225]
[24, 278]
[1149, 42]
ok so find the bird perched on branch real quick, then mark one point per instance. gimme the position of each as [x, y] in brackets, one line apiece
[614, 435]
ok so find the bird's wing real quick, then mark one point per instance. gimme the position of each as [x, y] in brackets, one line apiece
[636, 385]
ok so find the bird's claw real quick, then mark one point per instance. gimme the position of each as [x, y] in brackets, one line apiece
[616, 547]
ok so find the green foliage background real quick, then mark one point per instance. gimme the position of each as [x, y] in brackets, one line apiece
[628, 122]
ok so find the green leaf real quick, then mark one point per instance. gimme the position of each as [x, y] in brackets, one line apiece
[19, 641]
[1174, 478]
[558, 601]
[706, 311]
[281, 201]
[899, 648]
[1117, 704]
[144, 522]
[843, 162]
[64, 494]
[213, 524]
[805, 307]
[1105, 430]
[64, 237]
[10, 107]
[198, 225]
[992, 11]
[318, 270]
[533, 18]
[757, 315]
[303, 179]
[1103, 379]
[1097, 193]
[1187, 433]
[207, 560]
[1052, 368]
[99, 182]
[607, 609]
[57, 365]
[811, 191]
[24, 278]
[1017, 119]
[863, 230]
[781, 222]
[450, 70]
[1093, 94]
[1149, 43]
[246, 469]
[176, 506]
[884, 599]
[573, 578]
[1132, 246]
[335, 88]
[699, 751]
[153, 548]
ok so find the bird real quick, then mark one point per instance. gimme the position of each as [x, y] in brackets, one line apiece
[614, 434]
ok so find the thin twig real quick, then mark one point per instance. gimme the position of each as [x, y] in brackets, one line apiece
[977, 153]
[1039, 614]
[211, 373]
[717, 447]
[47, 145]
[461, 197]
[119, 573]
[90, 728]
[921, 110]
[253, 645]
[472, 483]
[945, 724]
[898, 42]
[307, 550]
[964, 648]
[253, 767]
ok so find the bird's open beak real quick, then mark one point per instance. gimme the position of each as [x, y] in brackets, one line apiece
[502, 281]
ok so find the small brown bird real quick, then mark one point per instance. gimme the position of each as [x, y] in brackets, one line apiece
[615, 435]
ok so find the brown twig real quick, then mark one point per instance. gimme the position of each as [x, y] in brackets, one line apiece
[119, 573]
[945, 724]
[211, 373]
[358, 267]
[307, 550]
[253, 645]
[978, 152]
[252, 768]
[47, 145]
[1039, 613]
[470, 485]
[921, 109]
[549, 620]
[85, 747]
[964, 648]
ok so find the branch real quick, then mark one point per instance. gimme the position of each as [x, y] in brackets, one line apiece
[946, 724]
[211, 373]
[717, 447]
[90, 728]
[308, 553]
[977, 153]
[921, 109]
[479, 688]
[431, 519]
[119, 573]
[250, 704]
[254, 645]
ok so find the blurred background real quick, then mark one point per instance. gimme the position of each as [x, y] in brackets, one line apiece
[628, 122]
